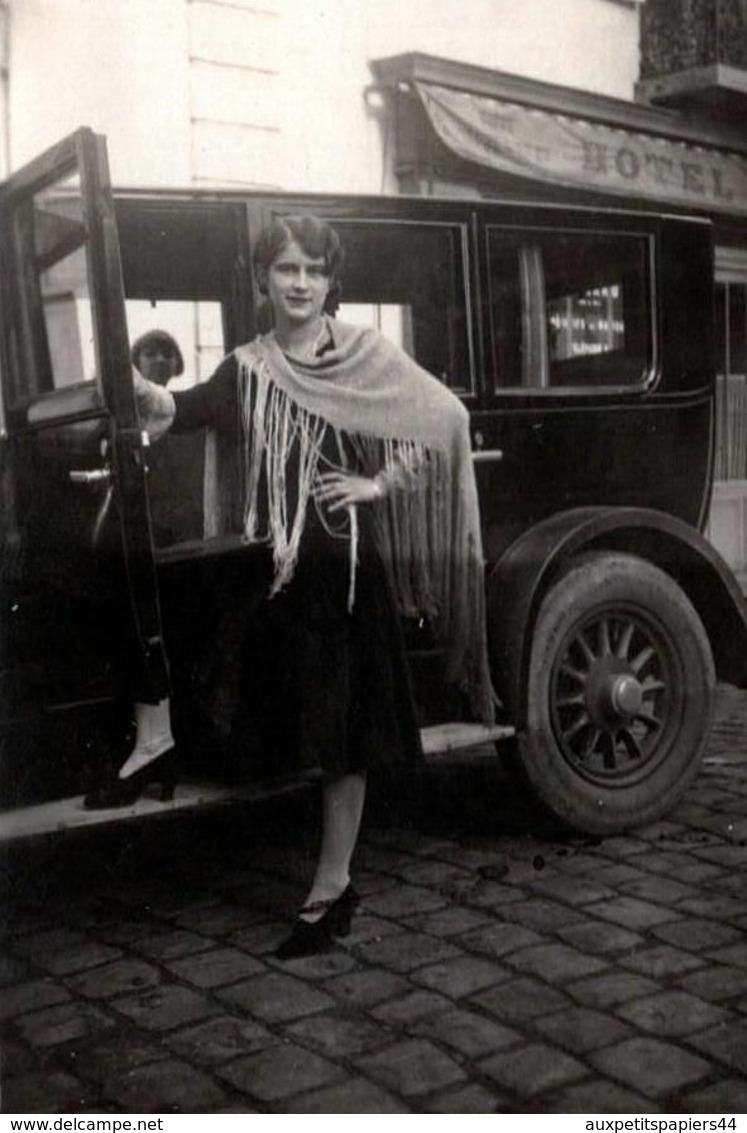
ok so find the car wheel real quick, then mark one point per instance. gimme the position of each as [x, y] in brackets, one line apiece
[619, 695]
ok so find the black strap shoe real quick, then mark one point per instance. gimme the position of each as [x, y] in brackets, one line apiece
[309, 938]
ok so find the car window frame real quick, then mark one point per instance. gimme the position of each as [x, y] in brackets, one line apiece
[651, 373]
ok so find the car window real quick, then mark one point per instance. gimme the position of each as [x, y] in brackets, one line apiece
[569, 309]
[50, 239]
[407, 279]
[176, 463]
[195, 324]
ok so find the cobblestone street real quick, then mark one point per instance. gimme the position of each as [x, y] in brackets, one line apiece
[495, 965]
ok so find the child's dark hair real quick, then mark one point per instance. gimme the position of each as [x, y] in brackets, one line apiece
[316, 237]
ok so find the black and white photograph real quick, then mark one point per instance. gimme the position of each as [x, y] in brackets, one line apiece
[373, 560]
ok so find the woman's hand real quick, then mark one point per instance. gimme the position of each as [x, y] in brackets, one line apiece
[155, 406]
[345, 489]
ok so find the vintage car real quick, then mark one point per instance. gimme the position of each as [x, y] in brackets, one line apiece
[579, 338]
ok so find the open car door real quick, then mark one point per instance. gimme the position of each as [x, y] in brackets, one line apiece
[78, 582]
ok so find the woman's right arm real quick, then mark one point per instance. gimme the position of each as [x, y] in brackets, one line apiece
[212, 403]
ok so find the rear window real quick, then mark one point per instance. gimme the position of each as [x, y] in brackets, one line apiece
[568, 310]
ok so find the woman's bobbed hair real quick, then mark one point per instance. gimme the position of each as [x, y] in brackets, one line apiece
[316, 237]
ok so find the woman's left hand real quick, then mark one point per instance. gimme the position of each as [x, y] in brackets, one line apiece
[344, 489]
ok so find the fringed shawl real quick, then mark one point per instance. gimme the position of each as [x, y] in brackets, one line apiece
[392, 415]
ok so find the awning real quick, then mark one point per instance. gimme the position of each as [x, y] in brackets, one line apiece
[529, 143]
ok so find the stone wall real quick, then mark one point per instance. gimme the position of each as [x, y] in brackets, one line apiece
[677, 35]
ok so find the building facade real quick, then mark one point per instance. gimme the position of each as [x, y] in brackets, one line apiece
[276, 92]
[624, 101]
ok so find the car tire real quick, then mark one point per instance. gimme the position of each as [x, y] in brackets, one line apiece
[620, 693]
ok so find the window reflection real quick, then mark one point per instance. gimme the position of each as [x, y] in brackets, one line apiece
[590, 322]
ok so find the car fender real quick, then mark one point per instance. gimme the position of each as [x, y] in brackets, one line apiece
[518, 582]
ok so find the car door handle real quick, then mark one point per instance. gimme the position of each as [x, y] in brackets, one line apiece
[92, 476]
[484, 455]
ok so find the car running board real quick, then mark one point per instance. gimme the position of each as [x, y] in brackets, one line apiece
[441, 743]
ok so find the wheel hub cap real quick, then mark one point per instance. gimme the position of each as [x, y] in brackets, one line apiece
[626, 696]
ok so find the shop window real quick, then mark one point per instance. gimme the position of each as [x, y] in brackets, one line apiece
[731, 380]
[407, 279]
[568, 310]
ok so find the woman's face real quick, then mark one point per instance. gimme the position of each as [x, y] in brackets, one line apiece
[297, 285]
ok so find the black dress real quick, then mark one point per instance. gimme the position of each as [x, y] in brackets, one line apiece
[352, 693]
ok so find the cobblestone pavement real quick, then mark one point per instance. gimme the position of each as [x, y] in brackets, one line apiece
[494, 966]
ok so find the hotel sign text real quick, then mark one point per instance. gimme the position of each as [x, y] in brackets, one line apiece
[531, 143]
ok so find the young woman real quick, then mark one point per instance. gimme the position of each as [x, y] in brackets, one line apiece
[353, 464]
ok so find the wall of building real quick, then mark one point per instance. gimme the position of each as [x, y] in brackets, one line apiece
[680, 35]
[271, 92]
[121, 68]
[591, 44]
